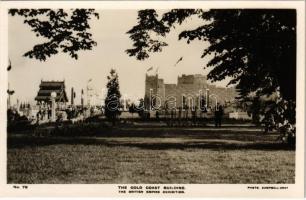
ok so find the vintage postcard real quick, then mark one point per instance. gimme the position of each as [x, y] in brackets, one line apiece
[152, 99]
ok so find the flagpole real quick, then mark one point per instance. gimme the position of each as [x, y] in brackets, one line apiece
[9, 96]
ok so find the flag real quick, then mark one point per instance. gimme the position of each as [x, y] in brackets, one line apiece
[179, 60]
[10, 92]
[10, 66]
[151, 68]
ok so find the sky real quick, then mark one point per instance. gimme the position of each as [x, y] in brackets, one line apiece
[110, 34]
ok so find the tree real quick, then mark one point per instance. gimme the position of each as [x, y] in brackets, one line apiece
[143, 43]
[255, 47]
[64, 30]
[112, 100]
[141, 108]
[149, 25]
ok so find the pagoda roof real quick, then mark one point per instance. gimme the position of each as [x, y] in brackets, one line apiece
[47, 87]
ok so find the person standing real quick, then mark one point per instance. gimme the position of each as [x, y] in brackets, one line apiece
[157, 115]
[218, 115]
[38, 114]
[221, 112]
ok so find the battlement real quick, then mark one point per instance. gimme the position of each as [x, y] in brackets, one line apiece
[187, 85]
[192, 79]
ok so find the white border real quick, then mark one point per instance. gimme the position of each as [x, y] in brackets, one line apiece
[192, 190]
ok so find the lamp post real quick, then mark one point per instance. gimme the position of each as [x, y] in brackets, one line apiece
[72, 96]
[82, 98]
[53, 96]
[87, 91]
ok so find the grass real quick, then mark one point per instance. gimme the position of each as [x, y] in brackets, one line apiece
[196, 156]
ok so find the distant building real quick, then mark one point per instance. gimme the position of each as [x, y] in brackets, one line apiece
[47, 87]
[189, 91]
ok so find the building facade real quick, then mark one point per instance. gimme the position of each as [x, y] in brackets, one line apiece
[190, 91]
[47, 87]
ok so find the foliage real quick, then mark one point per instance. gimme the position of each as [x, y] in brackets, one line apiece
[148, 25]
[63, 30]
[112, 100]
[280, 115]
[140, 34]
[256, 48]
[17, 122]
[141, 109]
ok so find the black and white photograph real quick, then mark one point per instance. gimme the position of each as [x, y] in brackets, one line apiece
[155, 96]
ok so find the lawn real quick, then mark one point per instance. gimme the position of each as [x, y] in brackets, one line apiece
[201, 156]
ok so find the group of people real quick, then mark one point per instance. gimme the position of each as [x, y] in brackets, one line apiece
[72, 112]
[43, 114]
[180, 114]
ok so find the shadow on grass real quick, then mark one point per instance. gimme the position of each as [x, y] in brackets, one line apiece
[217, 144]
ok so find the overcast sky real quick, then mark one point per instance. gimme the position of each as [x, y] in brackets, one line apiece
[110, 34]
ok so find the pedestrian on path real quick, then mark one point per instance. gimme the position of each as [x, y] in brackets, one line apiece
[218, 115]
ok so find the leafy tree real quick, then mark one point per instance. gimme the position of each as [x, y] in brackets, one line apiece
[112, 100]
[255, 47]
[149, 25]
[64, 30]
[141, 108]
[143, 43]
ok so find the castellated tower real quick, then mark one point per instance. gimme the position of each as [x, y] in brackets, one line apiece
[190, 88]
[188, 92]
[154, 92]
